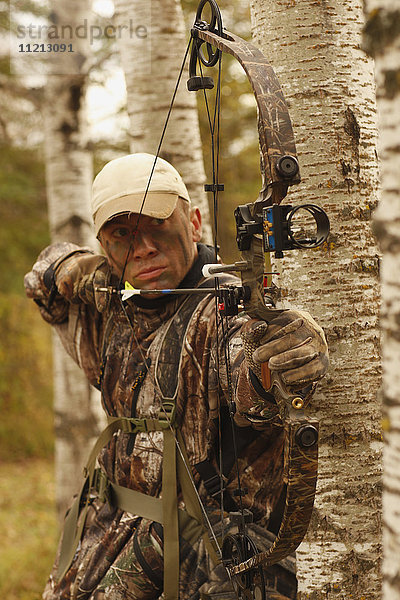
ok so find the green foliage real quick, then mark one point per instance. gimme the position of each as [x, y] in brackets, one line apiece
[23, 214]
[26, 425]
[28, 528]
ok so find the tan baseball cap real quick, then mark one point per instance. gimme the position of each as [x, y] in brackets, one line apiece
[121, 186]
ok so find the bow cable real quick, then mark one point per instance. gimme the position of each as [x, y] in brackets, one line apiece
[214, 128]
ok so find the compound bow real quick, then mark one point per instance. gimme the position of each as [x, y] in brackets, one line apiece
[262, 227]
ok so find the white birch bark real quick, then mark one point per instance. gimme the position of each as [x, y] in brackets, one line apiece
[328, 82]
[383, 43]
[152, 46]
[68, 180]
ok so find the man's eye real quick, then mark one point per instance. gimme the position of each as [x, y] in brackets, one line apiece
[121, 232]
[158, 221]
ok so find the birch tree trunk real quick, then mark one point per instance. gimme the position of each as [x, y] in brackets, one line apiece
[383, 43]
[152, 47]
[328, 82]
[68, 178]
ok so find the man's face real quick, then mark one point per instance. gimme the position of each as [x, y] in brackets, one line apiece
[162, 251]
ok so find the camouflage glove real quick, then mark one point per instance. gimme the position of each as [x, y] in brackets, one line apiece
[42, 289]
[292, 344]
[80, 277]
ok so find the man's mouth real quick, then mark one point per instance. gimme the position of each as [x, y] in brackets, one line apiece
[150, 273]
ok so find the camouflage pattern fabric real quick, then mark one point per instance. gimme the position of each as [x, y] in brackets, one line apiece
[106, 564]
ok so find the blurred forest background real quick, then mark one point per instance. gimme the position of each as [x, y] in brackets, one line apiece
[28, 523]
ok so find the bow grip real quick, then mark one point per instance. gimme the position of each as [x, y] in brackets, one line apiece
[266, 378]
[252, 334]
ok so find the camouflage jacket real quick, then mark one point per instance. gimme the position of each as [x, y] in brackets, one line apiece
[103, 345]
[112, 358]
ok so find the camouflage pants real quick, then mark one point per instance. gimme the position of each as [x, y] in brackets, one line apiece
[121, 558]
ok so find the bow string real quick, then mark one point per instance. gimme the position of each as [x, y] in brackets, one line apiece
[279, 170]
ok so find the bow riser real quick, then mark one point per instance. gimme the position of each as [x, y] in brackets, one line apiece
[253, 279]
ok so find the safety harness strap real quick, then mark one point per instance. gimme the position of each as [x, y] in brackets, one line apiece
[170, 519]
[75, 519]
[187, 523]
[151, 508]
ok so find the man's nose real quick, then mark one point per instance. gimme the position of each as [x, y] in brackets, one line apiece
[143, 245]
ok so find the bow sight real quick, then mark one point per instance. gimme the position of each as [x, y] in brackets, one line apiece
[283, 227]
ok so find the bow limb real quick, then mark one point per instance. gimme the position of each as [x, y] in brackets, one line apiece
[279, 170]
[274, 124]
[300, 474]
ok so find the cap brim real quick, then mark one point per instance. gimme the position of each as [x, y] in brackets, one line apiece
[157, 204]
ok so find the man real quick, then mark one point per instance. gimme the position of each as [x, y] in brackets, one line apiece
[158, 360]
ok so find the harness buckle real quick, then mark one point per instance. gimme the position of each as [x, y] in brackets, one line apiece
[132, 425]
[166, 415]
